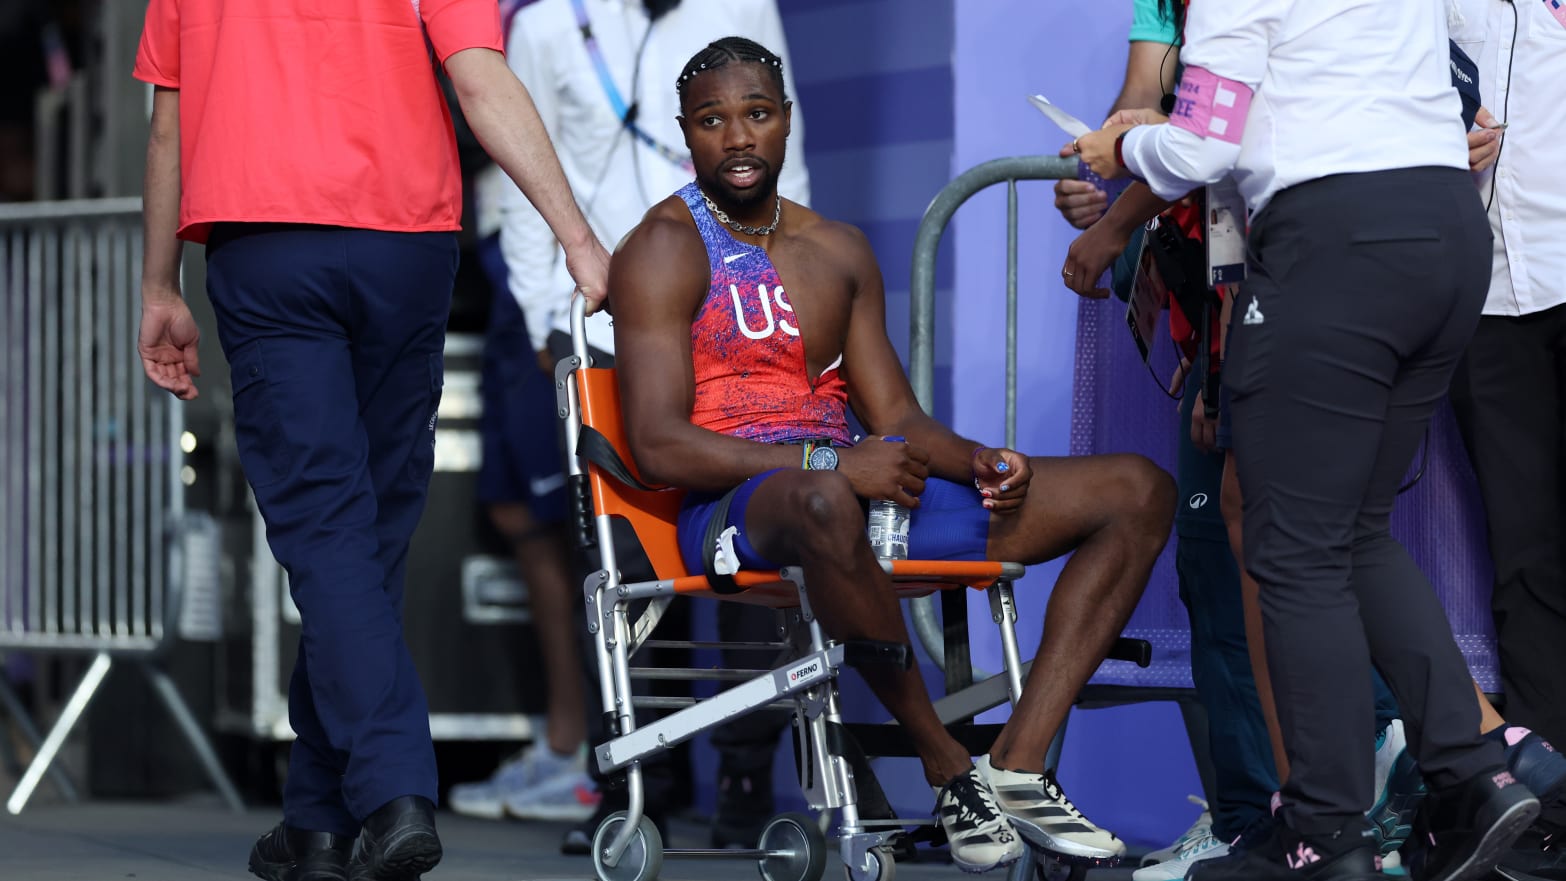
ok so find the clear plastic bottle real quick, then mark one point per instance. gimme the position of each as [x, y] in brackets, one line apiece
[889, 526]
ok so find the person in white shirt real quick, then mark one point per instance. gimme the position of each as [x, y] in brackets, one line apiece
[600, 73]
[1509, 392]
[1369, 261]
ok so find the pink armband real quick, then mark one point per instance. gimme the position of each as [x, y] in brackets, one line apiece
[1209, 106]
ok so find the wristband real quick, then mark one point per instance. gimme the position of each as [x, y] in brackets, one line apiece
[1120, 140]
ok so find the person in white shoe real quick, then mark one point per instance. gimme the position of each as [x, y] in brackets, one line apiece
[746, 325]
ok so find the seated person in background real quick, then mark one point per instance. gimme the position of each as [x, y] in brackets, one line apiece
[723, 375]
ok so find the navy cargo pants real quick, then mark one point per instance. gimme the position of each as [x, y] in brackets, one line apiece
[334, 339]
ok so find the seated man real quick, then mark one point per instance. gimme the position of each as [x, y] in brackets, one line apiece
[723, 376]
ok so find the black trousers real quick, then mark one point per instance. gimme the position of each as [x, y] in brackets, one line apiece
[1364, 290]
[1508, 398]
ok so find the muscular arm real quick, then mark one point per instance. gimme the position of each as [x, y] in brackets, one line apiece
[657, 279]
[878, 389]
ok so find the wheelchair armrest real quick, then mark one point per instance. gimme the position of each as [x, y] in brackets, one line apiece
[869, 652]
[1139, 651]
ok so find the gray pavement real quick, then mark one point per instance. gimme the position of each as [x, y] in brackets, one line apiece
[200, 839]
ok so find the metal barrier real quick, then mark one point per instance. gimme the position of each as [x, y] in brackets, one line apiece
[921, 337]
[91, 501]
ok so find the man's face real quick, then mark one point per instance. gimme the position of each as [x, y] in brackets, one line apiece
[736, 124]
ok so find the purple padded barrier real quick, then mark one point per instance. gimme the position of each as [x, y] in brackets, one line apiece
[1117, 407]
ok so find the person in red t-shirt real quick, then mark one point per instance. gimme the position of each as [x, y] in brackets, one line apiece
[311, 149]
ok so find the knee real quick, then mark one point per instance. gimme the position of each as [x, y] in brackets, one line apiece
[827, 513]
[1148, 495]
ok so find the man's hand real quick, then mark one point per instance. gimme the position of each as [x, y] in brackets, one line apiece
[589, 267]
[1097, 149]
[1078, 201]
[880, 469]
[1002, 477]
[167, 343]
[1204, 431]
[1484, 142]
[1092, 253]
[546, 363]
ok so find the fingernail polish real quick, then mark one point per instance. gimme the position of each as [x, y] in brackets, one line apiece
[1002, 466]
[1005, 487]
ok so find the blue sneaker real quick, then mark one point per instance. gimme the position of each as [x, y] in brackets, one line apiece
[1535, 763]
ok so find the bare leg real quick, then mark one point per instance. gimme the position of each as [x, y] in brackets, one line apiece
[1489, 719]
[1250, 594]
[813, 519]
[541, 558]
[1115, 513]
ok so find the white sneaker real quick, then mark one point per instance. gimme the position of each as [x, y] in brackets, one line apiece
[561, 790]
[483, 798]
[1041, 813]
[978, 834]
[487, 798]
[1202, 828]
[1193, 849]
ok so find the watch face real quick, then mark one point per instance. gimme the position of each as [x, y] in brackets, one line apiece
[823, 459]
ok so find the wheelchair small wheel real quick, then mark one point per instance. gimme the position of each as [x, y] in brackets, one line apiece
[882, 866]
[643, 857]
[804, 857]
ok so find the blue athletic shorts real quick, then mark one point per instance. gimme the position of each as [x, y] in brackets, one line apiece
[524, 459]
[950, 523]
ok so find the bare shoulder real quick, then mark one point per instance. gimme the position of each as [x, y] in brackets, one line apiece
[841, 245]
[660, 263]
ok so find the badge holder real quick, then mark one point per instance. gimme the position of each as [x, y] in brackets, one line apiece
[1225, 238]
[1148, 297]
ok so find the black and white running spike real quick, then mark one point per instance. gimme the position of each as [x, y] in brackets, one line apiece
[979, 836]
[1039, 810]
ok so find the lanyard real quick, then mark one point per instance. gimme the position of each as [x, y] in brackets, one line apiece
[616, 101]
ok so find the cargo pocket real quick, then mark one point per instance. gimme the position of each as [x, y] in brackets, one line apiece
[264, 452]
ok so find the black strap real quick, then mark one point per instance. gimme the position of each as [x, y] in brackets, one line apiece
[709, 548]
[595, 448]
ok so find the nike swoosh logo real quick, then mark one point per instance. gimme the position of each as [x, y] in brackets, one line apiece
[543, 486]
[732, 257]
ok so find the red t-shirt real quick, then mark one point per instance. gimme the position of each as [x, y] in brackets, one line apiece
[303, 111]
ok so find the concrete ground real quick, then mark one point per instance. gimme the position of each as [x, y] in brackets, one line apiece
[200, 839]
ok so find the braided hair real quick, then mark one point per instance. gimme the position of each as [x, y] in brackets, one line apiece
[720, 53]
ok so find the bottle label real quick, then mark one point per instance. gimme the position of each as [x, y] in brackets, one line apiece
[889, 531]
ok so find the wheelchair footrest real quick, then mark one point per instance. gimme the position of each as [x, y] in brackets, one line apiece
[869, 652]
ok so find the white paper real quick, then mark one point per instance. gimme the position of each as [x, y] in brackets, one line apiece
[1069, 124]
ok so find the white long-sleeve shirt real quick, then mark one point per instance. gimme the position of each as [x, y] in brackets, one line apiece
[614, 181]
[1334, 86]
[1522, 83]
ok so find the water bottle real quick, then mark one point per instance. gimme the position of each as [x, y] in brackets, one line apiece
[889, 526]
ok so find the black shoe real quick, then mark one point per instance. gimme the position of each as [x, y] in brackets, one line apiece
[578, 840]
[289, 854]
[745, 805]
[1347, 855]
[1460, 833]
[1539, 855]
[398, 842]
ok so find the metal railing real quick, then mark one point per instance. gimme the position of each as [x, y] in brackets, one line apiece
[921, 338]
[91, 500]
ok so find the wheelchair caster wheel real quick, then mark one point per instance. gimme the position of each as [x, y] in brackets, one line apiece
[881, 866]
[643, 857]
[803, 847]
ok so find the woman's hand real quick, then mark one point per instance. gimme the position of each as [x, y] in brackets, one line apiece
[1097, 149]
